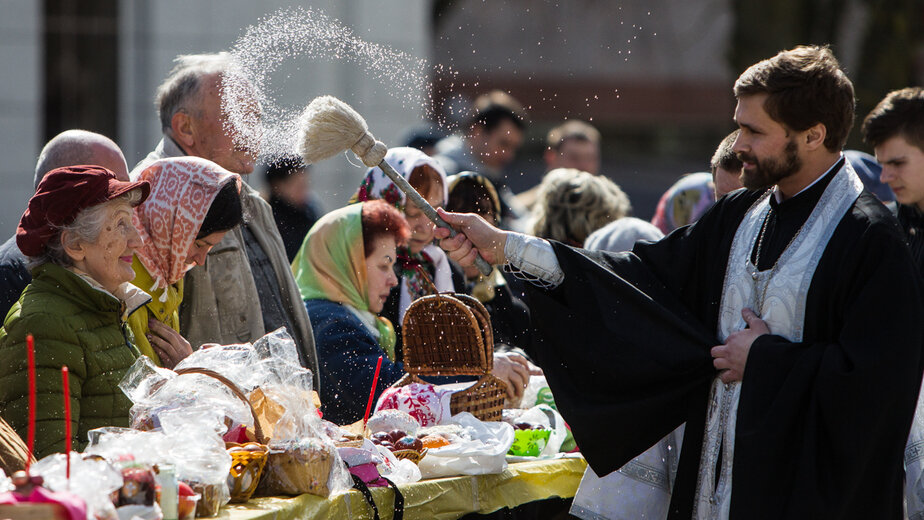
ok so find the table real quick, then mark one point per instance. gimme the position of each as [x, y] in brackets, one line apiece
[440, 499]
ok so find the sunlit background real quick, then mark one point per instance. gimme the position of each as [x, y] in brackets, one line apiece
[655, 76]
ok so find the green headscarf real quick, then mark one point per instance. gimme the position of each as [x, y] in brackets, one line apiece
[331, 265]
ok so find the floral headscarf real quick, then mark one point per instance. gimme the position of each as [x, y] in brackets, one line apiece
[377, 185]
[182, 191]
[331, 265]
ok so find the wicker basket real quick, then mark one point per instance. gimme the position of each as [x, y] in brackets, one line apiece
[246, 470]
[411, 455]
[450, 334]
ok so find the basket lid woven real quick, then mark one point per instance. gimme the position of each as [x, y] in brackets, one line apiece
[447, 334]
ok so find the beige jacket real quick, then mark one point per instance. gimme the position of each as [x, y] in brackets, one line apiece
[220, 302]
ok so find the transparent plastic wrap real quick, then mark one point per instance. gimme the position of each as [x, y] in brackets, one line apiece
[271, 361]
[156, 391]
[200, 457]
[93, 479]
[302, 458]
[236, 362]
[189, 439]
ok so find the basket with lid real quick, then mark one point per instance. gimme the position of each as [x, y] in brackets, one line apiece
[450, 334]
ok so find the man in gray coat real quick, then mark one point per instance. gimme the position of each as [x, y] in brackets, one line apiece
[246, 288]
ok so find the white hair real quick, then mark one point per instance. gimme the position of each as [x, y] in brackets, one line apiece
[86, 227]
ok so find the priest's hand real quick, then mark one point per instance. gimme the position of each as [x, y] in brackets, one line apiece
[731, 357]
[476, 236]
[168, 343]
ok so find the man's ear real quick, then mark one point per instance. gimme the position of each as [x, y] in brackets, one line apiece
[72, 247]
[182, 126]
[815, 136]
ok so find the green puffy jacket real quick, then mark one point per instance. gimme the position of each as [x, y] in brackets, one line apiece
[77, 325]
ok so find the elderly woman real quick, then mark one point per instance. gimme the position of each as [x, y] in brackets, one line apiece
[419, 257]
[345, 273]
[193, 203]
[78, 233]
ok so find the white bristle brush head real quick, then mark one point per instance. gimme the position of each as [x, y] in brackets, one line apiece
[330, 126]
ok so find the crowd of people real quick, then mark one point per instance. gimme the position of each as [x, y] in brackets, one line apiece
[763, 330]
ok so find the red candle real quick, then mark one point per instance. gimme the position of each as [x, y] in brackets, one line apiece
[67, 419]
[375, 379]
[30, 355]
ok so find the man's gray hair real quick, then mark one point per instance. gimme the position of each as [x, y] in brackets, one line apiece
[70, 148]
[182, 89]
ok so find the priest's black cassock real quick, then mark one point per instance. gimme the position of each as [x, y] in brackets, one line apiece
[625, 343]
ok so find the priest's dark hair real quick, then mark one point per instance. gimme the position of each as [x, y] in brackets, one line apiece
[901, 113]
[805, 86]
[224, 213]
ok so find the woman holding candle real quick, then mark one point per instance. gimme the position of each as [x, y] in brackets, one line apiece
[78, 233]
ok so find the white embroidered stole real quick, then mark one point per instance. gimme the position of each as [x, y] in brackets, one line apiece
[783, 291]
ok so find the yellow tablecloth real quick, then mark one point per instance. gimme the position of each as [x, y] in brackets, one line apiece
[441, 499]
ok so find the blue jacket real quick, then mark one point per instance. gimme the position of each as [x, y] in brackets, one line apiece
[347, 355]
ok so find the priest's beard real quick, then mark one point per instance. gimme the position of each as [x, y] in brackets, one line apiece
[769, 171]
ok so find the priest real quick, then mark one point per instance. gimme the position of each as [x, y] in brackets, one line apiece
[782, 329]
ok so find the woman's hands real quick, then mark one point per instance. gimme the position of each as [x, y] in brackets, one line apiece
[168, 343]
[514, 370]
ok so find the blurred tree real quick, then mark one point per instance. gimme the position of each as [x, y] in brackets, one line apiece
[891, 40]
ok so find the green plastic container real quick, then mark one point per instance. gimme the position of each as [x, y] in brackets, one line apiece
[529, 443]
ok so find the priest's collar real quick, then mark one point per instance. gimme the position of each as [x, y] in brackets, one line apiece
[811, 194]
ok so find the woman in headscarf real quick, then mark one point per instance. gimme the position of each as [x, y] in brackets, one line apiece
[193, 203]
[345, 272]
[78, 235]
[419, 254]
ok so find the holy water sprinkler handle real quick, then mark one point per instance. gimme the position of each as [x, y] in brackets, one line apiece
[428, 210]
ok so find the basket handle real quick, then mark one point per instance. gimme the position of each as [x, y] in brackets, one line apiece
[257, 429]
[423, 274]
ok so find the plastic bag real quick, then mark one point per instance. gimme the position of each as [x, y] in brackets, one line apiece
[537, 392]
[200, 457]
[189, 439]
[427, 403]
[551, 420]
[156, 391]
[92, 479]
[399, 471]
[481, 449]
[271, 361]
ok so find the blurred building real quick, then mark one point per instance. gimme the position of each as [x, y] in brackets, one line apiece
[95, 64]
[653, 76]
